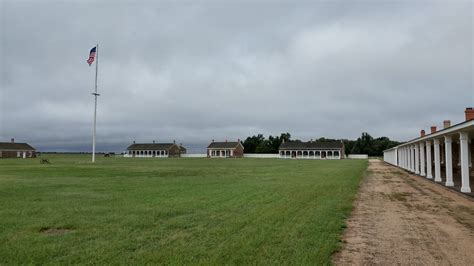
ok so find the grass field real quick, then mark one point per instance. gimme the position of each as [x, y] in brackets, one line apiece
[174, 211]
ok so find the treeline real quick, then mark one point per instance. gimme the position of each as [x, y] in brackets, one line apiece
[259, 144]
[365, 144]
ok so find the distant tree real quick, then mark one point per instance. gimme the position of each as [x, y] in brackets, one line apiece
[285, 136]
[365, 144]
[348, 145]
[251, 143]
[258, 144]
[323, 139]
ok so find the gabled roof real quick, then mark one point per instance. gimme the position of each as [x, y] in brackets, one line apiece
[311, 145]
[15, 146]
[224, 145]
[150, 146]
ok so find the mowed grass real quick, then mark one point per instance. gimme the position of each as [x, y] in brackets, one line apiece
[174, 211]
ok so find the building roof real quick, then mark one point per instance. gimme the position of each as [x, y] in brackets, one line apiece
[15, 146]
[223, 145]
[150, 146]
[311, 145]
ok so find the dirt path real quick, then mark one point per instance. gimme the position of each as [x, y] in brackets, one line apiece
[399, 218]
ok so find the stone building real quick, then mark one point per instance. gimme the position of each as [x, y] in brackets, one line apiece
[14, 149]
[226, 149]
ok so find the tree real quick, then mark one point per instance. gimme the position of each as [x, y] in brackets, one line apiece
[258, 144]
[251, 143]
[365, 144]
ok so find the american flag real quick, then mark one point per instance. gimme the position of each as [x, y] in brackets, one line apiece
[91, 56]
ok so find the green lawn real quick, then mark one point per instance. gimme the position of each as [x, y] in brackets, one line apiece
[174, 211]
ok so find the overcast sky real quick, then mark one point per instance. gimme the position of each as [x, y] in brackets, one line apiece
[200, 70]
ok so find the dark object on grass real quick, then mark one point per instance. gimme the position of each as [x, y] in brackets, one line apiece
[44, 161]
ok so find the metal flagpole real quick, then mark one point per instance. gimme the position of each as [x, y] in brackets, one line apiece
[95, 98]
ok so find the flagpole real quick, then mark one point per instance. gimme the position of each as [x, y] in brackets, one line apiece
[95, 101]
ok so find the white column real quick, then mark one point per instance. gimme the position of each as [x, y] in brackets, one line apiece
[422, 157]
[417, 159]
[401, 157]
[396, 157]
[409, 158]
[429, 174]
[437, 161]
[410, 149]
[404, 157]
[464, 147]
[449, 161]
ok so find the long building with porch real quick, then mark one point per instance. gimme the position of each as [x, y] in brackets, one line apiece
[443, 155]
[226, 149]
[312, 149]
[155, 150]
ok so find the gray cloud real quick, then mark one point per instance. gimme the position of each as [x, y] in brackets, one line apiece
[211, 70]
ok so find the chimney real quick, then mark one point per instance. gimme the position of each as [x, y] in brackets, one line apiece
[469, 113]
[174, 141]
[422, 133]
[153, 141]
[213, 140]
[433, 129]
[446, 123]
[238, 140]
[13, 140]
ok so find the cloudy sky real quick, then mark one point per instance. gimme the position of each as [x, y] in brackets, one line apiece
[200, 70]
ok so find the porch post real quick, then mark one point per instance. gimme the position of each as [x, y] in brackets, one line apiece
[429, 174]
[437, 161]
[464, 146]
[422, 156]
[449, 161]
[412, 165]
[417, 159]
